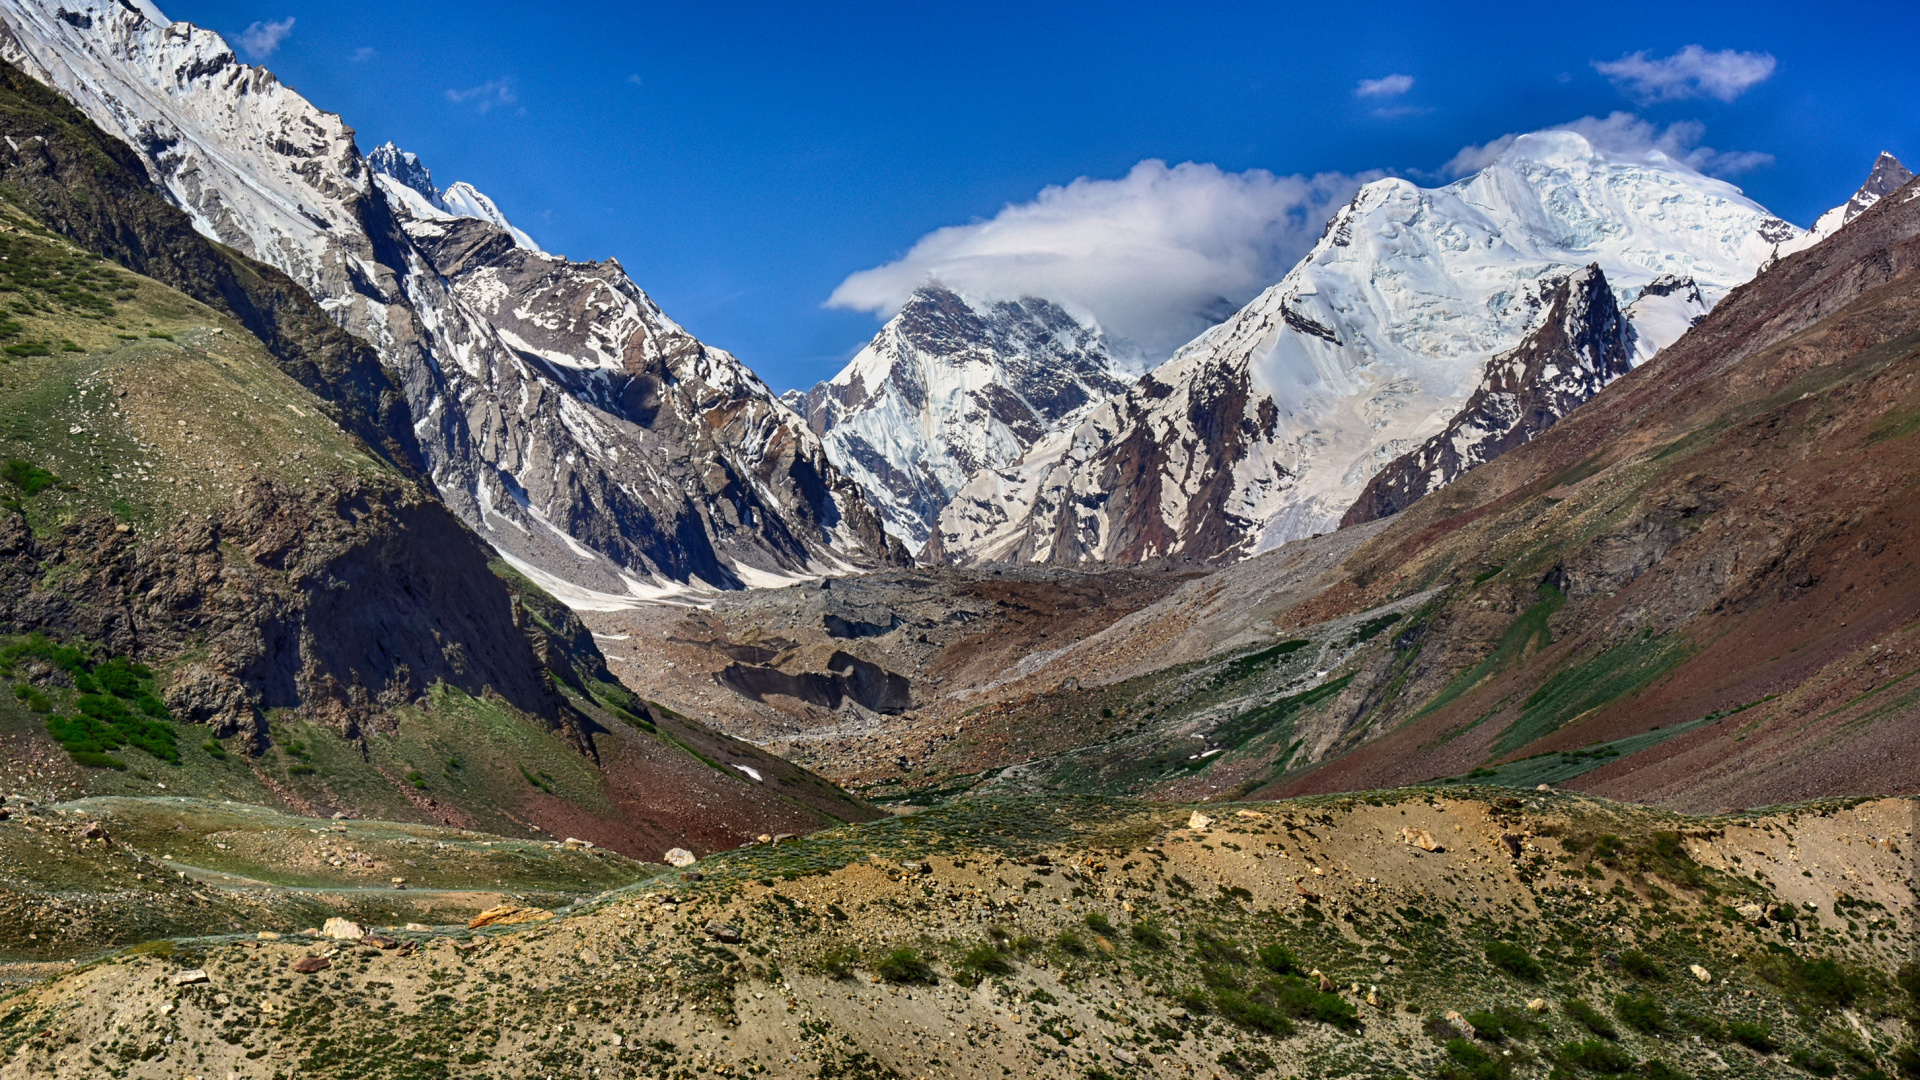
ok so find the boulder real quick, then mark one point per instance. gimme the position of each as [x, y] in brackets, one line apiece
[509, 915]
[307, 965]
[1199, 822]
[1459, 1024]
[722, 932]
[1511, 843]
[1421, 839]
[342, 929]
[190, 977]
[577, 843]
[1700, 973]
[680, 857]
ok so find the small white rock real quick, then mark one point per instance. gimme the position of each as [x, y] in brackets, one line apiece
[190, 977]
[1199, 822]
[1700, 973]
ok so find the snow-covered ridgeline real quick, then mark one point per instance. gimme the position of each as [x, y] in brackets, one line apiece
[1266, 427]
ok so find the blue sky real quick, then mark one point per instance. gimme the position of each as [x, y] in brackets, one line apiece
[743, 160]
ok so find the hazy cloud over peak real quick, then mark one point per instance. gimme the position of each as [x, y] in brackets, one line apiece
[263, 39]
[1385, 86]
[1151, 255]
[1623, 133]
[1693, 72]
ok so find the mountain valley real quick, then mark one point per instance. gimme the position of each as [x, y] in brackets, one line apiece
[1488, 654]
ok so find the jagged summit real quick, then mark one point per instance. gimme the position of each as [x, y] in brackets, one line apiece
[404, 166]
[953, 384]
[1887, 176]
[1265, 428]
[459, 200]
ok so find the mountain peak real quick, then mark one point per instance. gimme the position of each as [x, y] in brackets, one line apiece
[404, 166]
[1887, 176]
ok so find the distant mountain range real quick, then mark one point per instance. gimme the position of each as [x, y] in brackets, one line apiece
[1267, 427]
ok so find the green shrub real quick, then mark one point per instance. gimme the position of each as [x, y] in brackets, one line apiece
[31, 479]
[1660, 1070]
[1099, 923]
[836, 963]
[1514, 960]
[904, 966]
[985, 959]
[1753, 1035]
[1069, 942]
[1595, 1055]
[1213, 948]
[1589, 1017]
[417, 779]
[161, 334]
[1251, 1014]
[1826, 982]
[1148, 935]
[1247, 1061]
[33, 699]
[1640, 1012]
[1220, 977]
[214, 750]
[1466, 1061]
[301, 770]
[1808, 1061]
[1487, 1026]
[1279, 959]
[29, 348]
[1639, 965]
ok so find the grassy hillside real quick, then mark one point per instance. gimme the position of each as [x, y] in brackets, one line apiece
[1392, 934]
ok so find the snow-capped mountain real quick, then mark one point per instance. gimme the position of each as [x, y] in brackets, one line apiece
[1267, 427]
[592, 440]
[1584, 342]
[952, 385]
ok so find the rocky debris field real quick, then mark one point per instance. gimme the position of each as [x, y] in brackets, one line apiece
[1449, 934]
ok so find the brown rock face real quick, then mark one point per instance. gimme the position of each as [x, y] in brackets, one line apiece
[1726, 535]
[344, 600]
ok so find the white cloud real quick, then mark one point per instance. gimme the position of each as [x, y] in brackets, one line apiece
[1693, 72]
[263, 39]
[1624, 134]
[1385, 86]
[487, 96]
[1156, 256]
[363, 54]
[636, 80]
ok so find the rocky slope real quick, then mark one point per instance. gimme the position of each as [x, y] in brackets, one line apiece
[1267, 427]
[1583, 343]
[952, 385]
[547, 435]
[1406, 933]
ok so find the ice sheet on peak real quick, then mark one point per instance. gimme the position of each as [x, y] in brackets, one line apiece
[1265, 428]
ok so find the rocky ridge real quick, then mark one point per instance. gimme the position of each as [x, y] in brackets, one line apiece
[540, 441]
